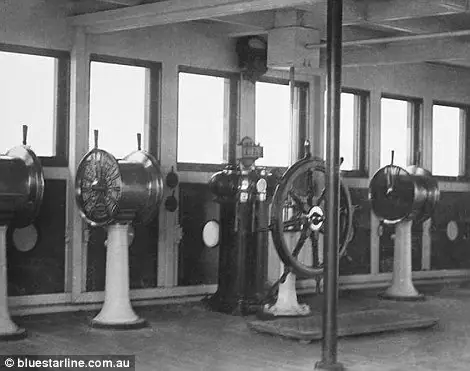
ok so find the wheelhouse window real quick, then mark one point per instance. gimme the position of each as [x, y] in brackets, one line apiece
[399, 120]
[275, 131]
[353, 128]
[121, 93]
[448, 144]
[34, 92]
[206, 118]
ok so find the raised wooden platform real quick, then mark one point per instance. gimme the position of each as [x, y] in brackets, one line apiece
[349, 324]
[190, 338]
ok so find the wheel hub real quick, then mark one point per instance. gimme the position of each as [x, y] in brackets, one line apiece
[316, 218]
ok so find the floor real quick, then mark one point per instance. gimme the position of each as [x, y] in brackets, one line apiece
[187, 337]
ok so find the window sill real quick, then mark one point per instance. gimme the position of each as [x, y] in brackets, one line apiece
[205, 168]
[53, 161]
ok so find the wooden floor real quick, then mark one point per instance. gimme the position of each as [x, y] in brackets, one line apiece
[187, 337]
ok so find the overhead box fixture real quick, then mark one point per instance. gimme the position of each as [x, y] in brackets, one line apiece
[287, 48]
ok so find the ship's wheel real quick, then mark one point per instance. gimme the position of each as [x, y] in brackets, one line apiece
[98, 186]
[298, 209]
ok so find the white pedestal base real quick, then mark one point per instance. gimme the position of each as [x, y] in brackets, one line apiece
[402, 287]
[117, 312]
[287, 304]
[8, 329]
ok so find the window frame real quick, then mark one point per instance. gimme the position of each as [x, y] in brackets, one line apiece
[303, 109]
[62, 97]
[414, 124]
[154, 86]
[464, 125]
[233, 94]
[361, 128]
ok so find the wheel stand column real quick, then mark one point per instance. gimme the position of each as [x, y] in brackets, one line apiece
[330, 320]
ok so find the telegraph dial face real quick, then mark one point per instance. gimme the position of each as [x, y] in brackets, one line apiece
[98, 187]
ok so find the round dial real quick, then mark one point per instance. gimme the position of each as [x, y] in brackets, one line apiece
[98, 187]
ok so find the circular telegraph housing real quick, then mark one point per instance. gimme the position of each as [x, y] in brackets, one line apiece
[143, 184]
[397, 194]
[98, 186]
[110, 191]
[22, 185]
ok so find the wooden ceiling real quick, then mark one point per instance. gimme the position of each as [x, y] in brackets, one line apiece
[404, 20]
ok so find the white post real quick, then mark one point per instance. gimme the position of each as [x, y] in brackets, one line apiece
[117, 312]
[8, 329]
[402, 287]
[287, 304]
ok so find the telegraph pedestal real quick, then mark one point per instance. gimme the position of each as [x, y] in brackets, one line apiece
[8, 329]
[21, 195]
[117, 312]
[401, 197]
[402, 287]
[113, 194]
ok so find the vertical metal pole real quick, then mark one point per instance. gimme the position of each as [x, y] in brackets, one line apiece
[330, 321]
[292, 151]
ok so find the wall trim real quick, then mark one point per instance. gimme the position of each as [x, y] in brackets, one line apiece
[382, 280]
[53, 303]
[91, 301]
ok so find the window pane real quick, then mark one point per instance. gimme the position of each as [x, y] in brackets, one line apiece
[445, 140]
[27, 97]
[394, 132]
[117, 107]
[348, 117]
[346, 145]
[201, 120]
[272, 123]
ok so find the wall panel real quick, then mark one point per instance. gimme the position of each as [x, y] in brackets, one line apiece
[357, 260]
[198, 264]
[42, 269]
[446, 254]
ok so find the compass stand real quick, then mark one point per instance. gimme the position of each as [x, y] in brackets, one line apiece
[402, 287]
[117, 312]
[8, 329]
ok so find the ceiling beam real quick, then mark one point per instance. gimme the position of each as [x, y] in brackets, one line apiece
[383, 11]
[122, 2]
[353, 11]
[379, 14]
[414, 52]
[174, 11]
[219, 29]
[260, 21]
[382, 26]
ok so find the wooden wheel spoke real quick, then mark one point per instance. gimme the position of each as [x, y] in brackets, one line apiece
[314, 241]
[295, 197]
[300, 243]
[294, 222]
[321, 197]
[310, 188]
